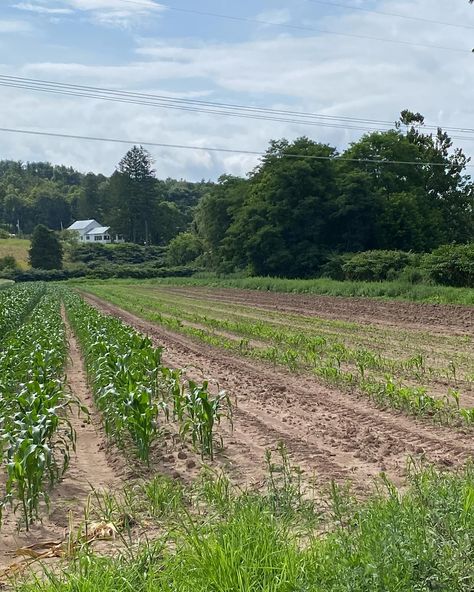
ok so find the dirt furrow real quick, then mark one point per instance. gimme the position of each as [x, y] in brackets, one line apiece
[333, 434]
[438, 318]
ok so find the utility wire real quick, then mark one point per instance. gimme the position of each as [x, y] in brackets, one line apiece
[223, 150]
[293, 27]
[391, 14]
[208, 107]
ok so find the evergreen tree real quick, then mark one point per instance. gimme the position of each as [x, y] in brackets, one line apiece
[46, 251]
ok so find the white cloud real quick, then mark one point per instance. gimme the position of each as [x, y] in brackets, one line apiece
[107, 12]
[315, 73]
[42, 9]
[13, 26]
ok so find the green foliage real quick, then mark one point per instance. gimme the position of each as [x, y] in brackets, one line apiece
[119, 254]
[134, 391]
[451, 265]
[46, 251]
[184, 249]
[377, 265]
[418, 539]
[8, 263]
[291, 213]
[36, 438]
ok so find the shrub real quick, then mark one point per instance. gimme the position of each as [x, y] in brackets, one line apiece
[120, 254]
[184, 248]
[8, 263]
[334, 266]
[378, 265]
[451, 265]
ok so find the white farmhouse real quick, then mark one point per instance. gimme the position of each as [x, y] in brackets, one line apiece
[90, 231]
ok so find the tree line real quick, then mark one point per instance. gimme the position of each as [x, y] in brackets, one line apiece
[132, 201]
[401, 189]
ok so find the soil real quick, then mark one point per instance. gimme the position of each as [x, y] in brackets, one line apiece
[330, 434]
[439, 318]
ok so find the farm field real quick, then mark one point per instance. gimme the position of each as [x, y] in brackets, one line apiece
[16, 247]
[331, 424]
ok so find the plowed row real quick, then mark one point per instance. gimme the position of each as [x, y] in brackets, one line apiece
[331, 434]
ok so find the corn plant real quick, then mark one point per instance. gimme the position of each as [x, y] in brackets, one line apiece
[35, 434]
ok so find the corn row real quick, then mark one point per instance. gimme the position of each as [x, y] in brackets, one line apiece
[36, 437]
[133, 389]
[15, 304]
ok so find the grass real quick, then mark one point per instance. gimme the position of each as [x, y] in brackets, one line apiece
[18, 248]
[396, 290]
[216, 539]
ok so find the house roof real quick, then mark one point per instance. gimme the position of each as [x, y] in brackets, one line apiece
[99, 230]
[81, 224]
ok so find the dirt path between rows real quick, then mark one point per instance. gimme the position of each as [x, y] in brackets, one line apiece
[438, 318]
[90, 466]
[330, 434]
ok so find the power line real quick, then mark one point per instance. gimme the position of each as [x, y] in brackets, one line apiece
[208, 107]
[293, 27]
[391, 14]
[223, 150]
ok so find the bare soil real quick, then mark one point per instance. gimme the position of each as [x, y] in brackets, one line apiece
[439, 318]
[330, 434]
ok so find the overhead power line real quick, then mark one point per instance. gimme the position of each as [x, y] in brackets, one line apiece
[391, 14]
[288, 26]
[208, 107]
[222, 150]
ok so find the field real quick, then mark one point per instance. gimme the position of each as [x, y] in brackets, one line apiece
[18, 248]
[203, 438]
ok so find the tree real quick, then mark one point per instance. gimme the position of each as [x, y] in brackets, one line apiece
[46, 251]
[135, 194]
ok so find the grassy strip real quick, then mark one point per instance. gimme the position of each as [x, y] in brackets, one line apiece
[220, 540]
[414, 400]
[325, 287]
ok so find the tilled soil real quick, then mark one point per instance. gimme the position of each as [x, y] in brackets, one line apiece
[439, 318]
[330, 434]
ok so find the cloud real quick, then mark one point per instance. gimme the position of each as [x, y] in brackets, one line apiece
[13, 26]
[107, 12]
[338, 76]
[42, 9]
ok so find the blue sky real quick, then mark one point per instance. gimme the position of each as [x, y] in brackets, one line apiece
[142, 45]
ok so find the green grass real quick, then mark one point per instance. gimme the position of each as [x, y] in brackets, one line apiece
[218, 540]
[18, 248]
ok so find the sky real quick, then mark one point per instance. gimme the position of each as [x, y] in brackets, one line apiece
[302, 55]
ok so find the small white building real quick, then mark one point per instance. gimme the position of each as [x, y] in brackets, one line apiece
[90, 231]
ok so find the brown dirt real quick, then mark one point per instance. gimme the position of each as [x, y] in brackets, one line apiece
[439, 318]
[328, 433]
[90, 467]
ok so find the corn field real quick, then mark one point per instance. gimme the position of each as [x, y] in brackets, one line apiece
[133, 392]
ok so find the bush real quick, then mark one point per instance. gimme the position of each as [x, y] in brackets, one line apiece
[8, 263]
[451, 265]
[334, 266]
[378, 265]
[121, 254]
[105, 272]
[184, 248]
